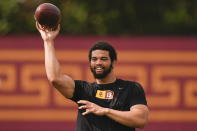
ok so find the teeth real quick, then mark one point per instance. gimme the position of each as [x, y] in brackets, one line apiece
[99, 68]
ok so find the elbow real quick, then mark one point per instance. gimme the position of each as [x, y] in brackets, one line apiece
[54, 81]
[143, 118]
[143, 123]
[139, 123]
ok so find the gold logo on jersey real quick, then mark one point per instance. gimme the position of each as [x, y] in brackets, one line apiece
[105, 94]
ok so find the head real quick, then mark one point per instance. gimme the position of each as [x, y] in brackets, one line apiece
[101, 58]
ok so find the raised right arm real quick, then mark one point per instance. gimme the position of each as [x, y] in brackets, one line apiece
[63, 83]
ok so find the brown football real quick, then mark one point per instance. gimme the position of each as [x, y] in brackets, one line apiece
[48, 15]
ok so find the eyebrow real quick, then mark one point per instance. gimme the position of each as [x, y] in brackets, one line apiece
[100, 57]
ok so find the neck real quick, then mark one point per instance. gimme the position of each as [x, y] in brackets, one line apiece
[110, 78]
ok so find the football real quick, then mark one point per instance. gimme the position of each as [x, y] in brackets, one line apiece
[47, 15]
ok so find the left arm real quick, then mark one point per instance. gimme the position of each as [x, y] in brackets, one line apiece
[137, 117]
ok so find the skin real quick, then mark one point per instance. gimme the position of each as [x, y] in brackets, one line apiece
[136, 117]
[101, 59]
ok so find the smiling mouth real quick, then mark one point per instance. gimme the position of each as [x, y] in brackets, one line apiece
[99, 69]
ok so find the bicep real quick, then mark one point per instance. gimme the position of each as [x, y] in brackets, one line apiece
[65, 85]
[141, 111]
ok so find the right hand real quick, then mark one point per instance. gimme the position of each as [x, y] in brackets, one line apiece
[46, 33]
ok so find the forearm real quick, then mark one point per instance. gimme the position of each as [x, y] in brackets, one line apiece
[63, 83]
[136, 118]
[51, 63]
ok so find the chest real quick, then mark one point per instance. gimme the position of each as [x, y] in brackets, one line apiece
[114, 98]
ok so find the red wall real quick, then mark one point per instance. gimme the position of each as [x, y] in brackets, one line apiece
[165, 66]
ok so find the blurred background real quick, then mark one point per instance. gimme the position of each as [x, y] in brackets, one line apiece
[156, 43]
[99, 17]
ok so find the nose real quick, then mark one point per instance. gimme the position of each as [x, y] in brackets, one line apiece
[98, 62]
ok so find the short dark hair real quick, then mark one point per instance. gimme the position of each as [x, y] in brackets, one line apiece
[103, 45]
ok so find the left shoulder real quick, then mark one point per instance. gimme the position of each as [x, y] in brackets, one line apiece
[130, 84]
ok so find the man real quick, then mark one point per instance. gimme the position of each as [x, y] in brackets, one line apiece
[108, 104]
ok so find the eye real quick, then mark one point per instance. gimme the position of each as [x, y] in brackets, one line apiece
[93, 58]
[104, 58]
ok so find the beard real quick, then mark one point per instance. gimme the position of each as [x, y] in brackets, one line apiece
[101, 75]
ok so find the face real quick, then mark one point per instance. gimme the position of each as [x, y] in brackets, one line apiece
[100, 64]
